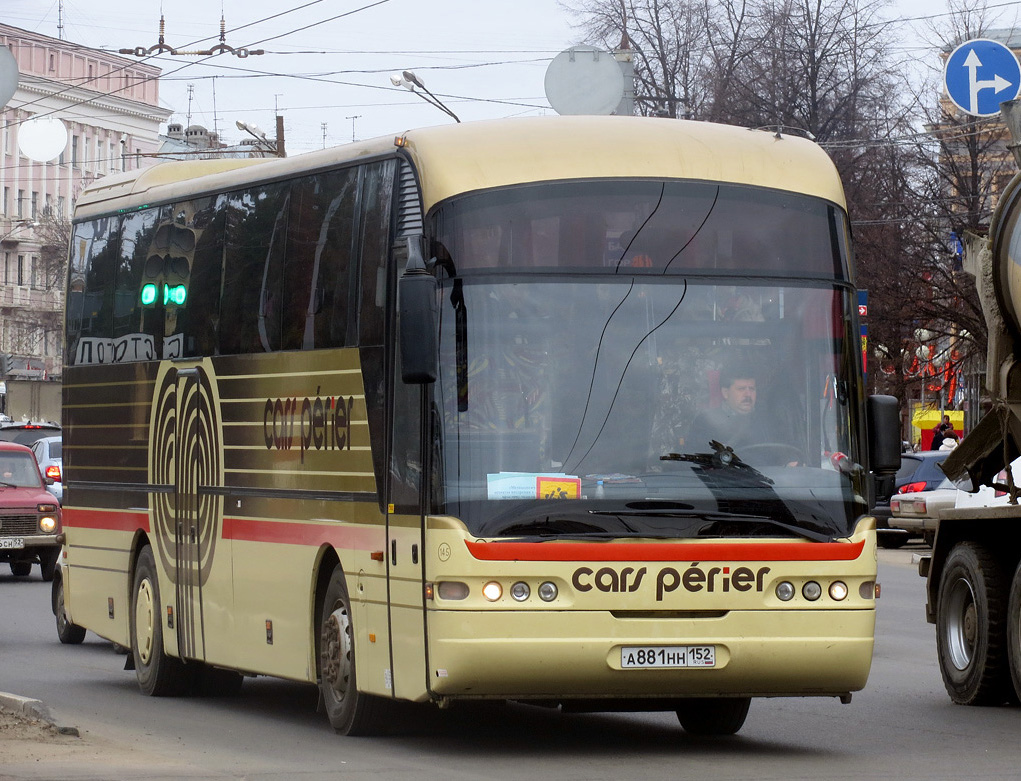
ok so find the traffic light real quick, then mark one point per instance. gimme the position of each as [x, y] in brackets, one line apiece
[166, 271]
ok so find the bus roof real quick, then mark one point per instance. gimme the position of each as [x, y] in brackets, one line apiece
[451, 160]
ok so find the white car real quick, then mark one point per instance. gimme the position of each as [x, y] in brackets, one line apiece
[917, 512]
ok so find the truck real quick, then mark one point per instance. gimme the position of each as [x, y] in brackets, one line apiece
[973, 575]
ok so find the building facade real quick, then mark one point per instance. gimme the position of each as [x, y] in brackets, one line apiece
[109, 107]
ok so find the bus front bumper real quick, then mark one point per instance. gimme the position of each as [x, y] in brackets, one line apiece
[577, 654]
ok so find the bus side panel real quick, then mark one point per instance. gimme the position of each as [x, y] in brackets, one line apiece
[299, 478]
[106, 501]
[96, 579]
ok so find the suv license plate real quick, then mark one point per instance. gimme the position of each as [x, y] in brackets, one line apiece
[653, 656]
[11, 543]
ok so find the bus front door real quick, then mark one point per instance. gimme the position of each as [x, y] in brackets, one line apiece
[405, 560]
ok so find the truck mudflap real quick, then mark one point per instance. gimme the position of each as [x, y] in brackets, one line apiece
[986, 451]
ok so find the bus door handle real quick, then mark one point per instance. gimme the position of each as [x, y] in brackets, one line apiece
[414, 554]
[393, 552]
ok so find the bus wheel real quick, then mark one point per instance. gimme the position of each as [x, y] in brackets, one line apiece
[971, 626]
[350, 712]
[713, 716]
[69, 634]
[159, 675]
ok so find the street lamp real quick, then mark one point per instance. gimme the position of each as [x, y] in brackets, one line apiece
[409, 81]
[17, 225]
[257, 133]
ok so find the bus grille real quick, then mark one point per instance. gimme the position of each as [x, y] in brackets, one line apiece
[19, 524]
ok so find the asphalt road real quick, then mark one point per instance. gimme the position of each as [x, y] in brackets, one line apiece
[903, 725]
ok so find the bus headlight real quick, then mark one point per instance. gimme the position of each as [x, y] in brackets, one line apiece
[811, 591]
[47, 524]
[492, 591]
[548, 591]
[838, 591]
[520, 591]
[452, 589]
[785, 591]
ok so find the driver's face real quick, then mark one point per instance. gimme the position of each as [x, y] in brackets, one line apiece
[740, 395]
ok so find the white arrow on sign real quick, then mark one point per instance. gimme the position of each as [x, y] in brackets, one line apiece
[997, 83]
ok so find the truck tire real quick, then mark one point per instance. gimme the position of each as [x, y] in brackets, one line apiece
[350, 711]
[21, 569]
[713, 716]
[158, 673]
[1014, 632]
[971, 626]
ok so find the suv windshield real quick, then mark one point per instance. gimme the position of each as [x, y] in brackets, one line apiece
[19, 470]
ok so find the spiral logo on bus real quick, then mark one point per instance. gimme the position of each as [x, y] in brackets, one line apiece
[185, 456]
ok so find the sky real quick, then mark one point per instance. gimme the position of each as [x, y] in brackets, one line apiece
[328, 63]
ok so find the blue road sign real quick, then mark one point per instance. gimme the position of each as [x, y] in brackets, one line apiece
[980, 75]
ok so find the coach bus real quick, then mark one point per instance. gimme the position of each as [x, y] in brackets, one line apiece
[430, 419]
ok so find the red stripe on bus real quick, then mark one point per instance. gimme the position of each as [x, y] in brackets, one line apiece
[118, 521]
[316, 534]
[652, 551]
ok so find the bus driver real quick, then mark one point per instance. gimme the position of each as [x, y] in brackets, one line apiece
[734, 422]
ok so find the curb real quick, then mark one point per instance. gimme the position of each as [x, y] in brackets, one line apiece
[33, 709]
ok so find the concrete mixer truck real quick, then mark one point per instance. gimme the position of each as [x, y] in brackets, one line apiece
[973, 576]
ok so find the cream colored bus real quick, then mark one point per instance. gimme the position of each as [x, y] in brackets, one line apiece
[560, 410]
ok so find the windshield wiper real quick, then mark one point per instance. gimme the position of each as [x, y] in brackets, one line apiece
[723, 457]
[718, 517]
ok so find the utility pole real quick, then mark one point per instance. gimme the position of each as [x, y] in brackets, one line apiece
[324, 134]
[356, 116]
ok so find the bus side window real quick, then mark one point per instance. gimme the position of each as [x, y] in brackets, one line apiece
[94, 261]
[377, 189]
[253, 259]
[131, 316]
[198, 319]
[322, 306]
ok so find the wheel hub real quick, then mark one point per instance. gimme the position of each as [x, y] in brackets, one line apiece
[336, 652]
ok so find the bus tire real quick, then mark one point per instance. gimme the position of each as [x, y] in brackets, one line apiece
[68, 633]
[713, 716]
[971, 626]
[158, 673]
[350, 712]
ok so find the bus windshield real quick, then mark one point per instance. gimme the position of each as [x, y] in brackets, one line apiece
[621, 404]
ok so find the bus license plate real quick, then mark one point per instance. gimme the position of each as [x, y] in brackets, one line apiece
[651, 656]
[11, 543]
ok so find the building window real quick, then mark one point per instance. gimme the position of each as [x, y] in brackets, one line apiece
[21, 204]
[7, 268]
[33, 262]
[100, 160]
[35, 205]
[21, 269]
[74, 151]
[7, 201]
[53, 62]
[61, 207]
